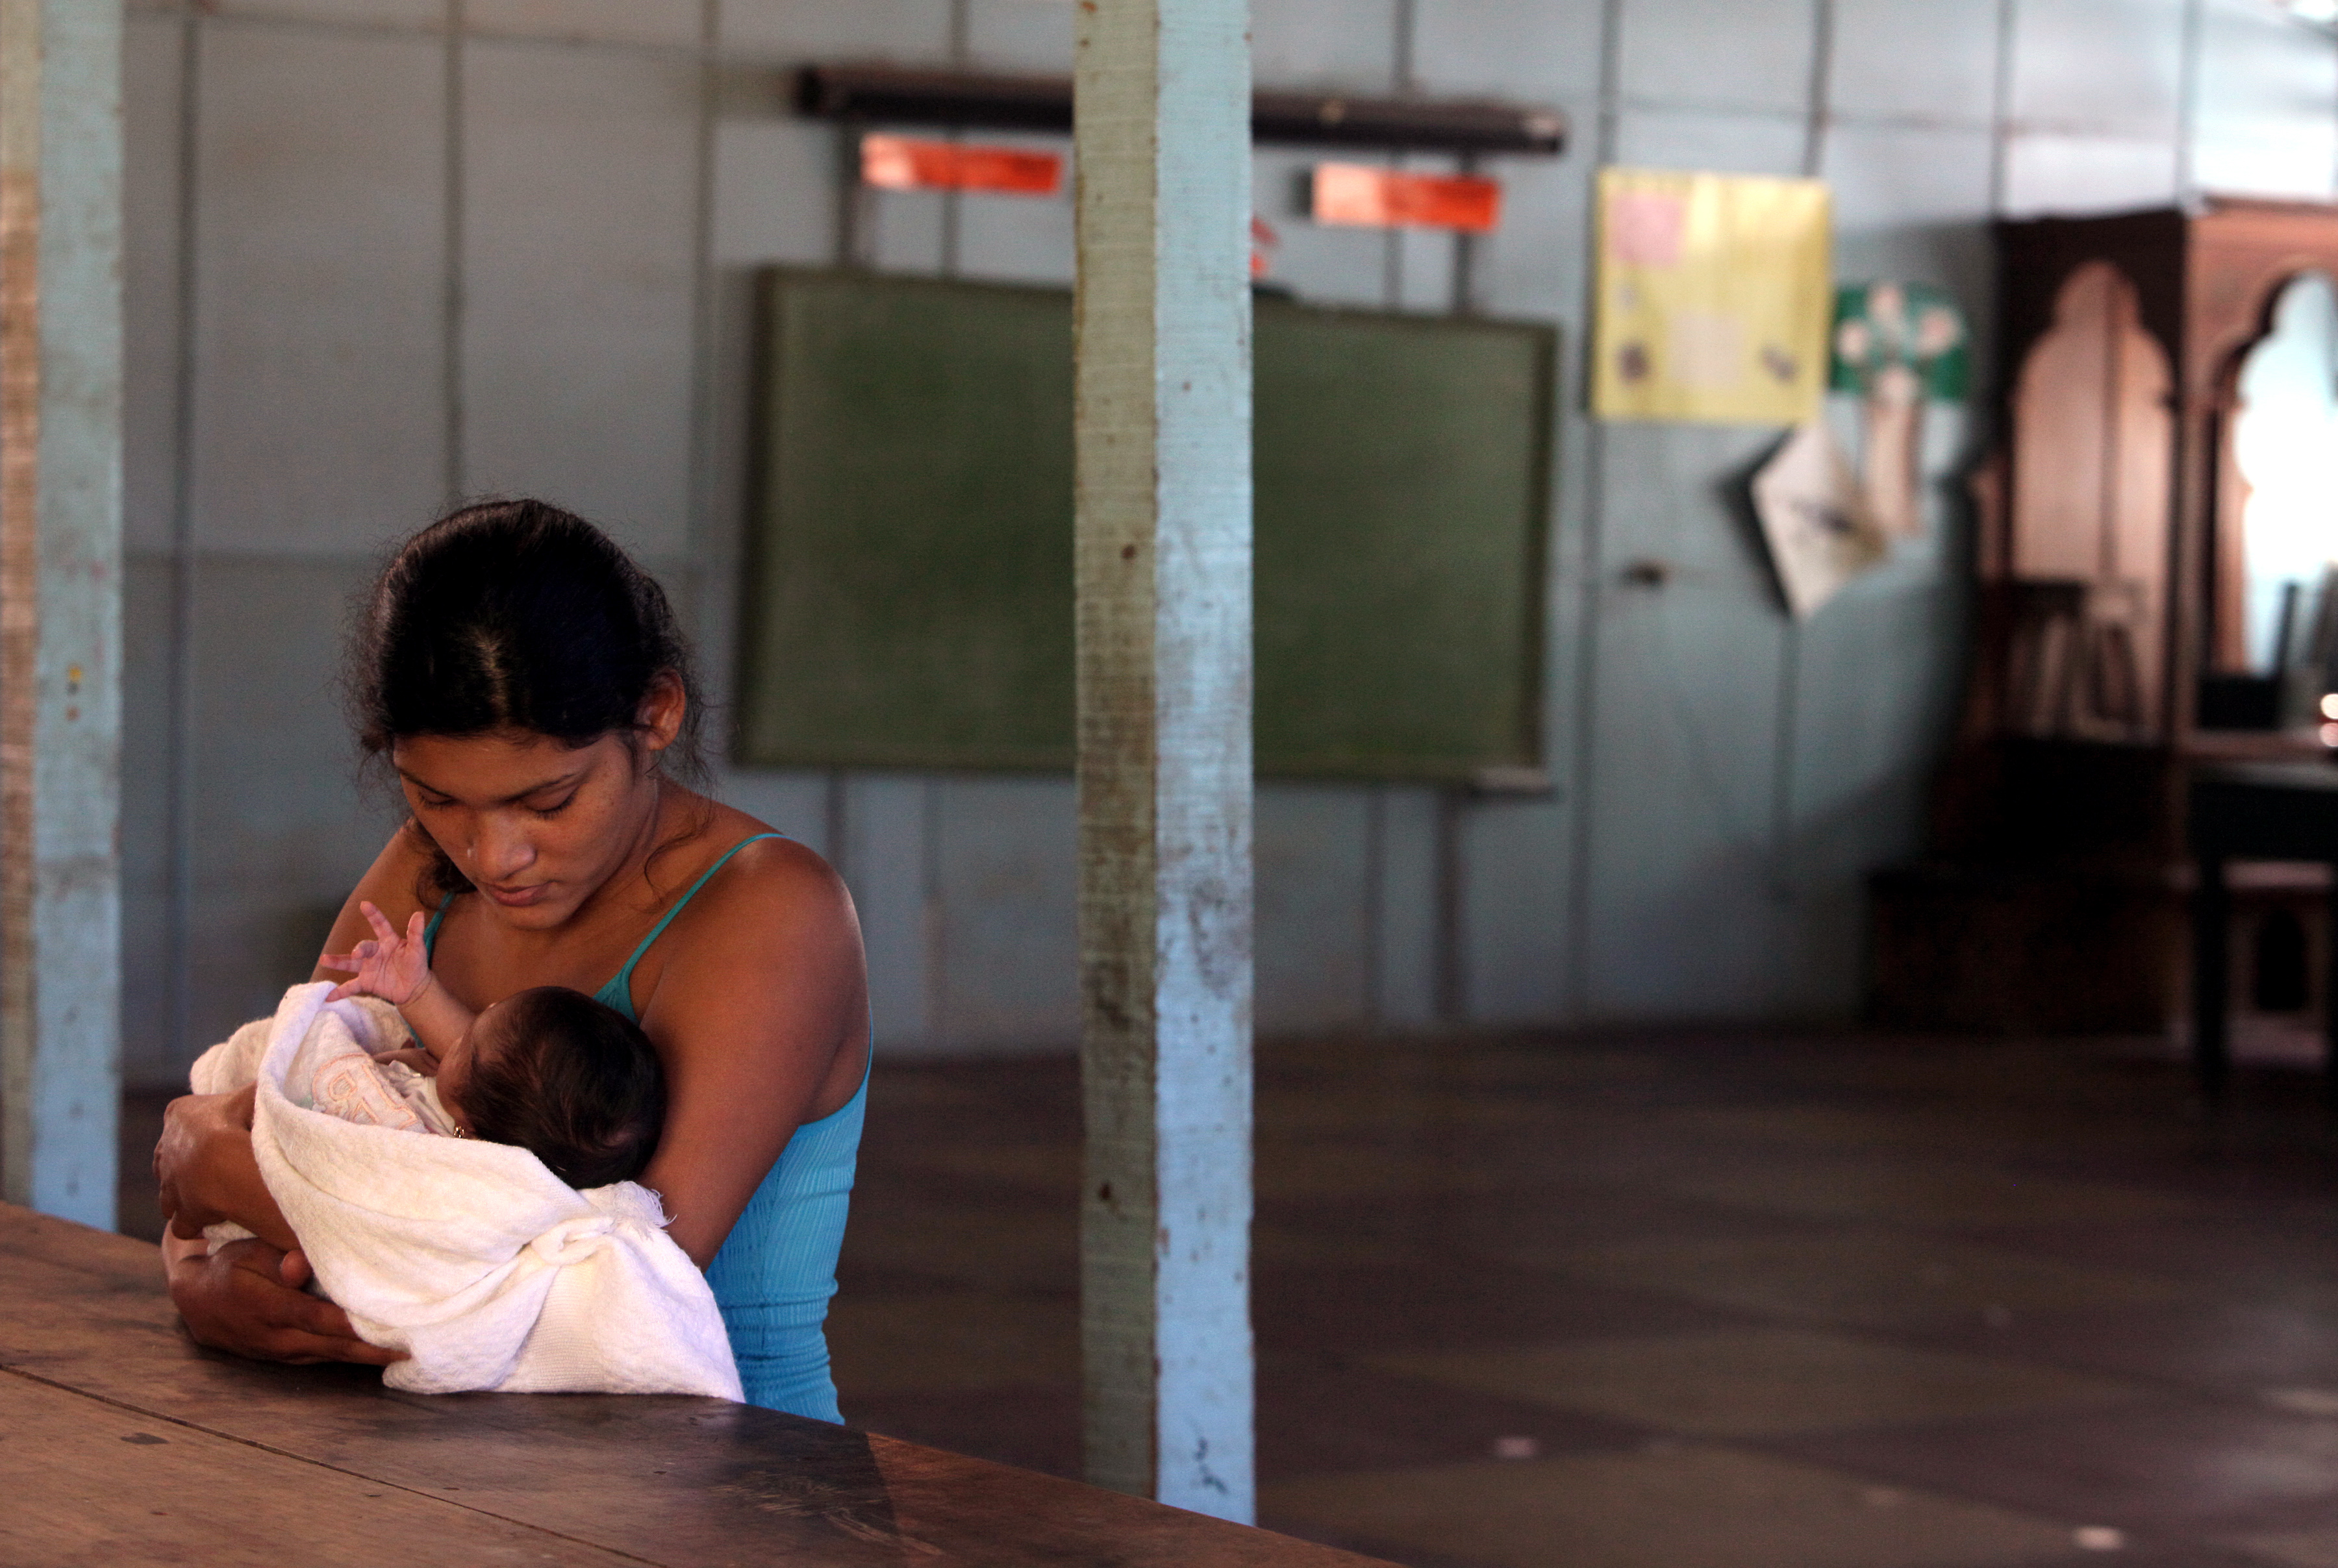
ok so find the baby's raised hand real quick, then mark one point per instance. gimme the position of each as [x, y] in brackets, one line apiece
[393, 967]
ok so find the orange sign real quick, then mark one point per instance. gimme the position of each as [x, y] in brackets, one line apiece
[1263, 243]
[1360, 196]
[907, 163]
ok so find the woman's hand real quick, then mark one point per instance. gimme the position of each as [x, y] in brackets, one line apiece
[246, 1298]
[393, 967]
[205, 1138]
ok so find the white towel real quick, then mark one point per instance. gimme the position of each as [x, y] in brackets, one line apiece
[332, 1070]
[486, 1267]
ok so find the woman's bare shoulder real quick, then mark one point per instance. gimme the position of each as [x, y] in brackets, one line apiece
[760, 980]
[763, 863]
[771, 877]
[774, 899]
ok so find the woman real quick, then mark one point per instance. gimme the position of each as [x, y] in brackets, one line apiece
[526, 683]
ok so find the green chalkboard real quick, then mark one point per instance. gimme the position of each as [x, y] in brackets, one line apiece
[909, 591]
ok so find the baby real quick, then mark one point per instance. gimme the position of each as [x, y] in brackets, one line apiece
[570, 1080]
[519, 1258]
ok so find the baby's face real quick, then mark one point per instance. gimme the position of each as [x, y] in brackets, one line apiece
[484, 1039]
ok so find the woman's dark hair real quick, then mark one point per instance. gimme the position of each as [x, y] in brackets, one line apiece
[515, 615]
[572, 1081]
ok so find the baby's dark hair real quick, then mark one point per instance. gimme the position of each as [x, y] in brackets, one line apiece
[572, 1081]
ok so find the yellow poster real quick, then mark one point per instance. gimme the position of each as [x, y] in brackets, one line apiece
[1713, 297]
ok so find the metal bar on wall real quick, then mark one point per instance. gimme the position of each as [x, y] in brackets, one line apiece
[1162, 566]
[60, 603]
[900, 96]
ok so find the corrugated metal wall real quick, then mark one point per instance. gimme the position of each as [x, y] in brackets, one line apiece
[388, 251]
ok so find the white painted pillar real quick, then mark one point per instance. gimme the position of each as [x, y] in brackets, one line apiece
[1164, 570]
[60, 602]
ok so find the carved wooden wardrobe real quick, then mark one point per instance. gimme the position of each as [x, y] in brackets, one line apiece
[2109, 650]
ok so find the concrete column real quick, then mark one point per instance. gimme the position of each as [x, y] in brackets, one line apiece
[1164, 570]
[60, 602]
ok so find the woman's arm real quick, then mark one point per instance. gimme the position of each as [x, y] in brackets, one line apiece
[246, 1298]
[203, 1166]
[760, 1012]
[204, 1170]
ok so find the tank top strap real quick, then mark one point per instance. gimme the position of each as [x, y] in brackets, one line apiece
[622, 983]
[619, 992]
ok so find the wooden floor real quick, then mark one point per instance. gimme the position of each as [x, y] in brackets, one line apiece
[1744, 1301]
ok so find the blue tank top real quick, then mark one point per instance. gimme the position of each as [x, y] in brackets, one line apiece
[775, 1273]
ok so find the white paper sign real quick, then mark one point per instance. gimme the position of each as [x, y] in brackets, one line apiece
[1815, 517]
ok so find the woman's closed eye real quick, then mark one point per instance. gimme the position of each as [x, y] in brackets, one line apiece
[555, 808]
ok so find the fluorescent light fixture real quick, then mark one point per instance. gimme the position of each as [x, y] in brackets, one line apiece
[2317, 13]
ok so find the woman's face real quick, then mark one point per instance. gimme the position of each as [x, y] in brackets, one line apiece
[537, 827]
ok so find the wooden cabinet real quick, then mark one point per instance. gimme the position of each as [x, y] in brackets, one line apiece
[2108, 557]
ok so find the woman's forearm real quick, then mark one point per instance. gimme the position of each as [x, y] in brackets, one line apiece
[246, 1297]
[249, 1200]
[206, 1173]
[234, 1189]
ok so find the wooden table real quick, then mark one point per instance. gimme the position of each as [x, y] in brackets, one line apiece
[122, 1442]
[2252, 811]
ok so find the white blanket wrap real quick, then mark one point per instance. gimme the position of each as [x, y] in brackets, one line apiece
[487, 1269]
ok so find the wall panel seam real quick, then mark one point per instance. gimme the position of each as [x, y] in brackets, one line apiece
[2001, 103]
[451, 303]
[245, 21]
[698, 531]
[2187, 102]
[1576, 987]
[178, 676]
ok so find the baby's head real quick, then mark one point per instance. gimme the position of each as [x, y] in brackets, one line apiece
[573, 1082]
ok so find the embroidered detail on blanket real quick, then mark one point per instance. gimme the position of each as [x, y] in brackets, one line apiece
[352, 1088]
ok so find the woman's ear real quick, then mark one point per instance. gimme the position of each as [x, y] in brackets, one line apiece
[663, 706]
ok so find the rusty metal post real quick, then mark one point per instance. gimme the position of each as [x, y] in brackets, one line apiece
[1162, 99]
[60, 602]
